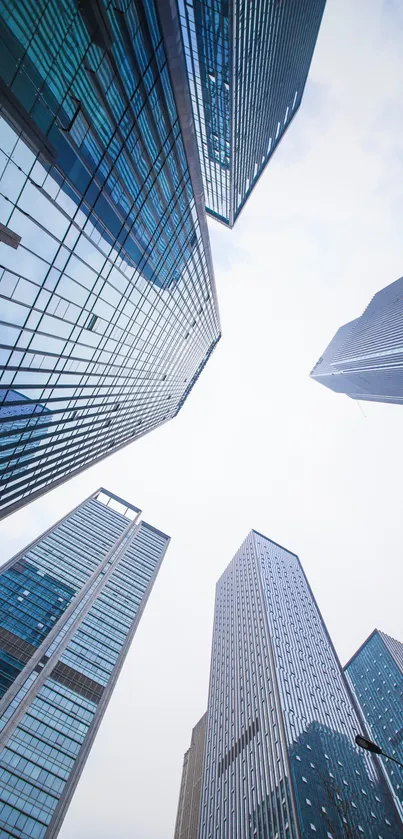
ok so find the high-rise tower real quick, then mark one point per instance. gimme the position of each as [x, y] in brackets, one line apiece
[70, 604]
[247, 65]
[365, 357]
[280, 753]
[375, 672]
[108, 310]
[188, 815]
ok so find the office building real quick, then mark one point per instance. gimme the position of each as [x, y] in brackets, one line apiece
[365, 357]
[280, 754]
[375, 673]
[188, 816]
[70, 604]
[247, 66]
[108, 309]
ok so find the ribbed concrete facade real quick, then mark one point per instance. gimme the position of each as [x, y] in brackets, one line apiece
[188, 816]
[281, 760]
[365, 357]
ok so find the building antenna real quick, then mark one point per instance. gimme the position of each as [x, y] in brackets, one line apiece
[361, 408]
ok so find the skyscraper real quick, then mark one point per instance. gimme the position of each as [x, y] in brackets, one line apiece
[281, 721]
[375, 673]
[108, 309]
[188, 816]
[247, 65]
[70, 604]
[365, 357]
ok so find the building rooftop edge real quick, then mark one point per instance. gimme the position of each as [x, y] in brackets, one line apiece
[118, 499]
[361, 647]
[156, 530]
[131, 507]
[274, 543]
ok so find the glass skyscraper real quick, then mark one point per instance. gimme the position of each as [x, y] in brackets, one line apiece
[247, 65]
[365, 357]
[108, 309]
[188, 815]
[70, 604]
[376, 674]
[280, 759]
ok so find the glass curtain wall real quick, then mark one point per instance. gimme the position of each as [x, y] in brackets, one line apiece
[69, 606]
[108, 310]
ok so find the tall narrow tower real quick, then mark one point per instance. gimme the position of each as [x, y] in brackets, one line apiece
[375, 672]
[70, 604]
[247, 65]
[365, 357]
[188, 815]
[280, 753]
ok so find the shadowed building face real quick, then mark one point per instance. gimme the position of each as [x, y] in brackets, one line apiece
[188, 815]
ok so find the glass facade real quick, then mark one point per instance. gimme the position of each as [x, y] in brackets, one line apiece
[22, 428]
[69, 606]
[365, 357]
[108, 309]
[280, 760]
[247, 66]
[375, 673]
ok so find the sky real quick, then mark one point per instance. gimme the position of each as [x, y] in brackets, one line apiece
[258, 444]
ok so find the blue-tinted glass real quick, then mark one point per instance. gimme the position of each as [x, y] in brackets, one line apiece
[247, 65]
[376, 675]
[22, 433]
[69, 605]
[108, 311]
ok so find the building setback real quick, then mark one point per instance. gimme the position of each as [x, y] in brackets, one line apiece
[188, 815]
[247, 65]
[281, 721]
[375, 673]
[365, 357]
[108, 309]
[70, 604]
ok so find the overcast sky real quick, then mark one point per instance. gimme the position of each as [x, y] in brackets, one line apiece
[258, 444]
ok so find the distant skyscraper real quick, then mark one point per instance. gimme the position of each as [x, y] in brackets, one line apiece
[247, 65]
[108, 308]
[365, 357]
[376, 675]
[188, 816]
[70, 604]
[280, 753]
